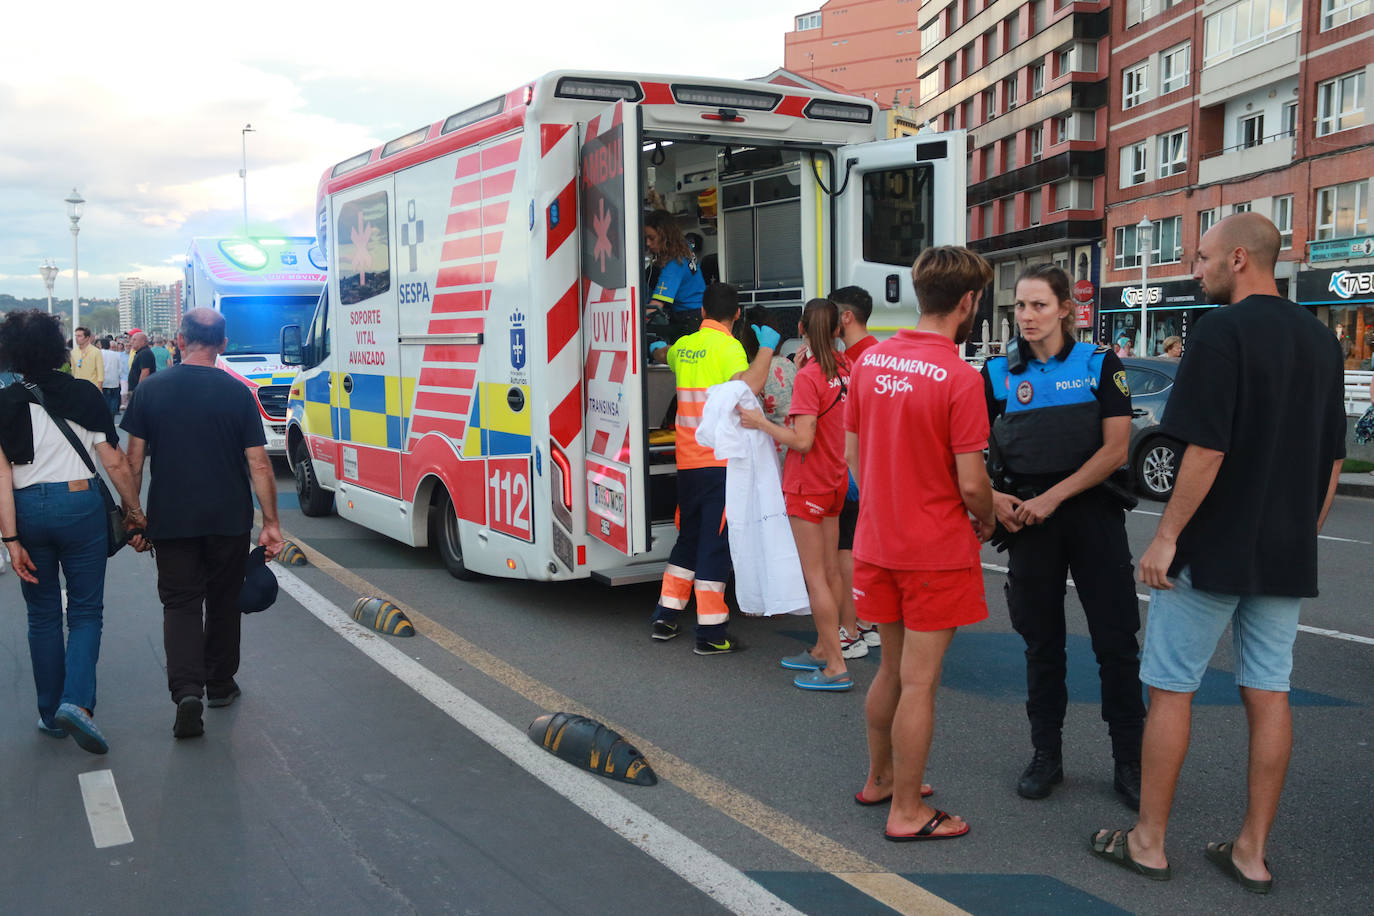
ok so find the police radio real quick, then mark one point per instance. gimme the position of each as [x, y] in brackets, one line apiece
[1017, 361]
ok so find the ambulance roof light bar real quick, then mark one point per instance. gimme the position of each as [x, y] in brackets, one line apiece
[598, 90]
[349, 165]
[825, 110]
[488, 109]
[405, 142]
[244, 253]
[714, 97]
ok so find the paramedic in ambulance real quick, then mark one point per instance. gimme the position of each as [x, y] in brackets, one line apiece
[700, 561]
[1061, 422]
[675, 300]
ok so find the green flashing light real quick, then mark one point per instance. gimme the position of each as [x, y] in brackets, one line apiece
[246, 254]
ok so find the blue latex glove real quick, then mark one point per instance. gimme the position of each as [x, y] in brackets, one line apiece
[767, 336]
[657, 345]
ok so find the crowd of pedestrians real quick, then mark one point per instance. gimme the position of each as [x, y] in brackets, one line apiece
[927, 457]
[207, 448]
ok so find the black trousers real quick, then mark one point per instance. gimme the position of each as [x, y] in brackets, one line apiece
[1085, 536]
[199, 580]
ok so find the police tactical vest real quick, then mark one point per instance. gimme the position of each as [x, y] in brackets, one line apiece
[1051, 423]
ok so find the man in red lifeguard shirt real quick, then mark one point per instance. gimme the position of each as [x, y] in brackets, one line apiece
[916, 426]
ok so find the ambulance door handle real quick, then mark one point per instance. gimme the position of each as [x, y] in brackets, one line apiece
[348, 384]
[894, 288]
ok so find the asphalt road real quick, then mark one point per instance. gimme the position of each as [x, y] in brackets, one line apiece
[344, 782]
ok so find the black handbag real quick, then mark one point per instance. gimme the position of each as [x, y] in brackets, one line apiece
[116, 535]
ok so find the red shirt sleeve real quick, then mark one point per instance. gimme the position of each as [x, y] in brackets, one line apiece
[968, 415]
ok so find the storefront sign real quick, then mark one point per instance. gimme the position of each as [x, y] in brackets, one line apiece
[1131, 296]
[1335, 287]
[1085, 314]
[1083, 291]
[1173, 294]
[1361, 246]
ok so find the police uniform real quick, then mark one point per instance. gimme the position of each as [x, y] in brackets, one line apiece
[1047, 422]
[700, 561]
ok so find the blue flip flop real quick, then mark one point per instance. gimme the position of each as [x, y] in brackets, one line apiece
[817, 680]
[802, 661]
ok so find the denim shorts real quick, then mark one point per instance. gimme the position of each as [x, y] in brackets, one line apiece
[1185, 624]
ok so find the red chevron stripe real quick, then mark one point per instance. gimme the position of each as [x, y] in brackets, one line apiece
[447, 303]
[565, 421]
[562, 322]
[436, 377]
[549, 135]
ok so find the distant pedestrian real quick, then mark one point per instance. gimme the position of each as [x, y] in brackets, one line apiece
[110, 386]
[161, 354]
[141, 363]
[52, 517]
[1172, 347]
[916, 427]
[1260, 389]
[206, 439]
[85, 360]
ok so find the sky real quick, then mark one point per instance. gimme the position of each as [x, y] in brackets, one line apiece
[139, 105]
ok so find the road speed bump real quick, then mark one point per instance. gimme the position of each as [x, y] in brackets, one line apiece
[291, 555]
[382, 616]
[589, 744]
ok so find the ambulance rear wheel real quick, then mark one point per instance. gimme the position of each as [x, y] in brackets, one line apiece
[314, 499]
[447, 539]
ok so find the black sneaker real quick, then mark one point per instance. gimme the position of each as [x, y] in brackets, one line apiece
[1126, 781]
[1045, 771]
[722, 646]
[664, 631]
[188, 723]
[214, 699]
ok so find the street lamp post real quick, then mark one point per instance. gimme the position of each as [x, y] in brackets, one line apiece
[243, 172]
[1142, 246]
[76, 204]
[49, 273]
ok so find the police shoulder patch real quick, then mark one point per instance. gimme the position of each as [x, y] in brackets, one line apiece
[1120, 378]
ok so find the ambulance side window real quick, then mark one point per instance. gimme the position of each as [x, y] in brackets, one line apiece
[364, 249]
[317, 343]
[898, 214]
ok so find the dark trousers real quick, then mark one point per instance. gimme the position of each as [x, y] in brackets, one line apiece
[199, 580]
[1086, 535]
[111, 399]
[700, 559]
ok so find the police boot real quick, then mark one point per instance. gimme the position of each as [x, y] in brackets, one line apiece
[1042, 774]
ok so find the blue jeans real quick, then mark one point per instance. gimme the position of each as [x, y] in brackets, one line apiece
[60, 527]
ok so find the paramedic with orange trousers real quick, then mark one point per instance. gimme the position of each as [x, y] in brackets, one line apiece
[700, 561]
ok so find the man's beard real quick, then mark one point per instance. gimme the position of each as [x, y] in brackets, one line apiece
[965, 330]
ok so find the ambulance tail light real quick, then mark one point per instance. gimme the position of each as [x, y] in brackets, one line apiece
[718, 97]
[565, 475]
[823, 110]
[598, 90]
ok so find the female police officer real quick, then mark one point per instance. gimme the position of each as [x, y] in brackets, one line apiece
[1061, 414]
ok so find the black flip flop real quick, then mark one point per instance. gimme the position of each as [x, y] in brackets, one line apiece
[1120, 854]
[1222, 856]
[928, 831]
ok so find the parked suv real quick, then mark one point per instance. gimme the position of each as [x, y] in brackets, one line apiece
[1154, 457]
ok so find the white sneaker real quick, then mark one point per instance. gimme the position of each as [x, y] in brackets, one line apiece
[870, 635]
[852, 646]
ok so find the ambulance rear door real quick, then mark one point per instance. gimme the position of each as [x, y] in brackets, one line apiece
[616, 448]
[897, 198]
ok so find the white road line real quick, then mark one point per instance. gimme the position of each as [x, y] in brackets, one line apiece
[1316, 631]
[104, 810]
[701, 868]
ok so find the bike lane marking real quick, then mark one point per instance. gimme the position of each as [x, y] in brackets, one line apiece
[854, 869]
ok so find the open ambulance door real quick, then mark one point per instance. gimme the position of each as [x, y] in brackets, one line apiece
[616, 447]
[896, 198]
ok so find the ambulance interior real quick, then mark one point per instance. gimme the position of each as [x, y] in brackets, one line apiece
[739, 207]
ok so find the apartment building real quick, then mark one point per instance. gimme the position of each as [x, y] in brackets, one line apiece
[867, 46]
[1028, 81]
[1225, 106]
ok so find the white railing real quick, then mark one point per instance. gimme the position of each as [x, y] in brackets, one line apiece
[1357, 392]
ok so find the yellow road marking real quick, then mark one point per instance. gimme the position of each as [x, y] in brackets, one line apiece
[891, 890]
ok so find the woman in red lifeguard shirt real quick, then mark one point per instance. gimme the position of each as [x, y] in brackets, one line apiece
[815, 481]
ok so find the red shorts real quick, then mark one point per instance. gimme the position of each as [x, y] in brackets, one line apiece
[812, 507]
[920, 599]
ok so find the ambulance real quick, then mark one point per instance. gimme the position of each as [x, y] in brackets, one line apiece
[475, 375]
[259, 285]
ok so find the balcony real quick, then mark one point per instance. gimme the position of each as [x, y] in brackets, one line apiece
[1072, 164]
[1275, 153]
[1268, 63]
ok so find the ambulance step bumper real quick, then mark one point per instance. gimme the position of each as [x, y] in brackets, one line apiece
[633, 574]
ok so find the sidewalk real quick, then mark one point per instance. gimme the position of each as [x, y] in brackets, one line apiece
[1356, 485]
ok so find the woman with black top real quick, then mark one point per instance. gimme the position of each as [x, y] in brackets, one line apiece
[52, 515]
